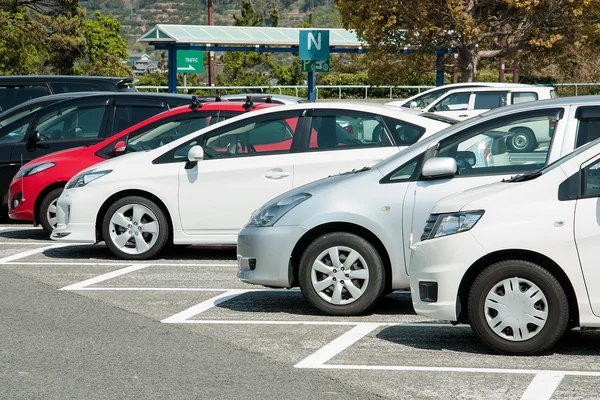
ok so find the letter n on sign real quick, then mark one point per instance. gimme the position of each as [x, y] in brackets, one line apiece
[314, 44]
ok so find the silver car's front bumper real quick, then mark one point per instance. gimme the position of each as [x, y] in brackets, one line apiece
[264, 254]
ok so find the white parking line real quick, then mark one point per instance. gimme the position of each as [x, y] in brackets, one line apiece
[16, 243]
[28, 253]
[335, 347]
[105, 277]
[205, 305]
[543, 385]
[117, 264]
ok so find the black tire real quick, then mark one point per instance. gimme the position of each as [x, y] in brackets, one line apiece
[557, 307]
[163, 226]
[523, 141]
[376, 274]
[43, 213]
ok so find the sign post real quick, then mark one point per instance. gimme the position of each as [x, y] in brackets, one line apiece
[313, 46]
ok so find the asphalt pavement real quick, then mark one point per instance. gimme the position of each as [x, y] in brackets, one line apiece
[79, 323]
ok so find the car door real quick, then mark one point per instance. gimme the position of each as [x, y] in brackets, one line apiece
[335, 141]
[453, 105]
[482, 157]
[63, 126]
[246, 164]
[10, 136]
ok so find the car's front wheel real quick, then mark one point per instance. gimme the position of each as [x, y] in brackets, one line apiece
[47, 212]
[341, 273]
[522, 141]
[517, 307]
[135, 228]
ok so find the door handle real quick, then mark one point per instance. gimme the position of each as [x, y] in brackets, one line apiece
[276, 173]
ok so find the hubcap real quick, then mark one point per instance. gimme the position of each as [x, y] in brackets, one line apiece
[516, 309]
[520, 141]
[51, 214]
[134, 229]
[340, 275]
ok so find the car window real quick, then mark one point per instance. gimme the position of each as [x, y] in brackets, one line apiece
[341, 132]
[16, 116]
[454, 102]
[404, 133]
[408, 171]
[489, 100]
[14, 134]
[62, 87]
[523, 97]
[166, 133]
[75, 122]
[426, 99]
[128, 115]
[591, 180]
[11, 96]
[487, 150]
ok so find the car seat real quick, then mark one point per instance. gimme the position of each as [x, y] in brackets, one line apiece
[327, 137]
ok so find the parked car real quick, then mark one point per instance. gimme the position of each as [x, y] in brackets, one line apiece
[44, 178]
[366, 221]
[420, 101]
[72, 123]
[15, 90]
[200, 189]
[518, 259]
[461, 104]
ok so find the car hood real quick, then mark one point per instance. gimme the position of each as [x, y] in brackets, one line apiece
[56, 157]
[461, 200]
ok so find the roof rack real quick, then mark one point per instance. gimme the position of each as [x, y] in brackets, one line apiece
[197, 102]
[248, 104]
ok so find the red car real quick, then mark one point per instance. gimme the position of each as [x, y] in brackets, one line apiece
[38, 184]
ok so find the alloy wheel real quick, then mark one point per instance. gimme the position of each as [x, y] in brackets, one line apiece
[134, 229]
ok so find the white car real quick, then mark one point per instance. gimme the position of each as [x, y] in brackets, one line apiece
[368, 220]
[518, 259]
[463, 103]
[200, 189]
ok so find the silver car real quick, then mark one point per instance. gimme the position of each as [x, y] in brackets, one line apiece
[346, 239]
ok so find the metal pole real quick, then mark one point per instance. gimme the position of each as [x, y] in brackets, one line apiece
[311, 85]
[211, 54]
[439, 67]
[501, 70]
[172, 65]
[185, 83]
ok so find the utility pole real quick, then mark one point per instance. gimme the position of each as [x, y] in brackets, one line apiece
[211, 54]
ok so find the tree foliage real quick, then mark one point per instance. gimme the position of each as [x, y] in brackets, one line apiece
[476, 29]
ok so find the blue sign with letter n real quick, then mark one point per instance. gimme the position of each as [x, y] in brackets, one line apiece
[314, 45]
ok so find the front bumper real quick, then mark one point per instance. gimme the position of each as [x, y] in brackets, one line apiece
[437, 267]
[264, 254]
[76, 215]
[19, 206]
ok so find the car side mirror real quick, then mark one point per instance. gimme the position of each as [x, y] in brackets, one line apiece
[195, 154]
[439, 167]
[35, 137]
[119, 148]
[413, 104]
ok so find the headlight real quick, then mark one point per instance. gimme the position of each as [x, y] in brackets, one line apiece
[449, 224]
[267, 216]
[84, 178]
[34, 169]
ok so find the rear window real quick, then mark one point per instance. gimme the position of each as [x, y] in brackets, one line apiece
[523, 97]
[11, 96]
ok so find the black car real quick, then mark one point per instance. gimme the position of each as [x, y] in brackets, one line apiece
[75, 122]
[15, 90]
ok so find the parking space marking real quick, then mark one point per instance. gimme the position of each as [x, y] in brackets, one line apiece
[543, 385]
[116, 264]
[205, 305]
[105, 277]
[338, 345]
[23, 243]
[28, 253]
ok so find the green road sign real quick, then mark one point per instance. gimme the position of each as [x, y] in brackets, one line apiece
[190, 61]
[314, 45]
[315, 66]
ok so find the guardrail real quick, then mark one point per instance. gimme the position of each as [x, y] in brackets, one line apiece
[356, 91]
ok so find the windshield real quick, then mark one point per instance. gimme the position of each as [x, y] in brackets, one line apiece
[166, 133]
[426, 99]
[14, 117]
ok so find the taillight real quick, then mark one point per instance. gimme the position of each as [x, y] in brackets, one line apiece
[349, 129]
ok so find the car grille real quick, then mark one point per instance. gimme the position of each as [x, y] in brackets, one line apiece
[429, 226]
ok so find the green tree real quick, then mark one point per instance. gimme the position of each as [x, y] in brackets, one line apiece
[20, 50]
[476, 29]
[105, 47]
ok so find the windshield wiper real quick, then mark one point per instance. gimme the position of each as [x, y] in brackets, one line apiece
[524, 177]
[355, 171]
